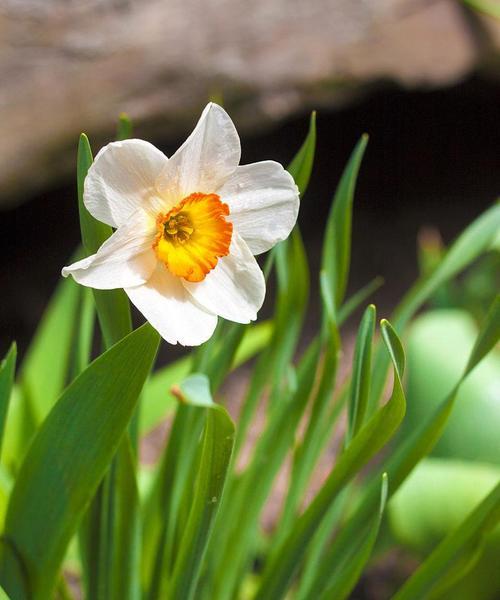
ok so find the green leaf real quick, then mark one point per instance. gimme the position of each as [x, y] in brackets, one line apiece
[7, 369]
[66, 461]
[125, 128]
[301, 166]
[361, 373]
[337, 245]
[468, 535]
[125, 567]
[283, 563]
[342, 578]
[216, 451]
[469, 245]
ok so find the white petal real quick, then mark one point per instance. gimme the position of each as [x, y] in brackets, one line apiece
[125, 259]
[205, 160]
[235, 289]
[170, 309]
[122, 179]
[263, 202]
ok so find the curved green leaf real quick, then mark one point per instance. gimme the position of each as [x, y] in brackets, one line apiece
[7, 369]
[301, 166]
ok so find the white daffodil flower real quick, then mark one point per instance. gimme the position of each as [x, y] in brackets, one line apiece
[187, 228]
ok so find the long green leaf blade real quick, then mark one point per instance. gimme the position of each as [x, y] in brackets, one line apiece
[66, 461]
[337, 245]
[217, 445]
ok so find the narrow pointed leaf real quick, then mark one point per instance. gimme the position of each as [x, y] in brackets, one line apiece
[337, 245]
[301, 166]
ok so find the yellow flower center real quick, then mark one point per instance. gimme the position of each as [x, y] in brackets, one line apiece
[192, 236]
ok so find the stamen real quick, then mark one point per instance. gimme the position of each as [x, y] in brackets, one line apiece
[193, 236]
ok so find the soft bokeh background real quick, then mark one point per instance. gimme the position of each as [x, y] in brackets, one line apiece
[422, 78]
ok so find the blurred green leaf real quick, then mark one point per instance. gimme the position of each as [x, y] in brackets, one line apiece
[337, 245]
[301, 166]
[490, 8]
[7, 370]
[216, 451]
[282, 565]
[125, 127]
[470, 244]
[357, 299]
[469, 534]
[66, 461]
[44, 369]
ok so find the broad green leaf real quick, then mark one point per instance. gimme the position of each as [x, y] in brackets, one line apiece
[337, 245]
[301, 166]
[469, 245]
[66, 461]
[7, 369]
[216, 451]
[470, 533]
[361, 373]
[416, 445]
[282, 565]
[125, 128]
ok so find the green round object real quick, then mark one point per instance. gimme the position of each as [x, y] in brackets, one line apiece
[438, 347]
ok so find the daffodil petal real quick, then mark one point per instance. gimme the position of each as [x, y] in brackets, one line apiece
[263, 203]
[122, 179]
[205, 160]
[125, 259]
[235, 289]
[171, 310]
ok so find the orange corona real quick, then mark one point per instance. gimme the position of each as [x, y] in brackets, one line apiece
[193, 236]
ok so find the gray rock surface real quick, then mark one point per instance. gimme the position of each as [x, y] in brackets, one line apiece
[71, 65]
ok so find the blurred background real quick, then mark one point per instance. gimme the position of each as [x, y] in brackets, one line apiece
[421, 77]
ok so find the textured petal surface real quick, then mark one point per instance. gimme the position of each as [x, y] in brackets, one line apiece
[235, 289]
[263, 202]
[170, 309]
[205, 160]
[125, 259]
[122, 179]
